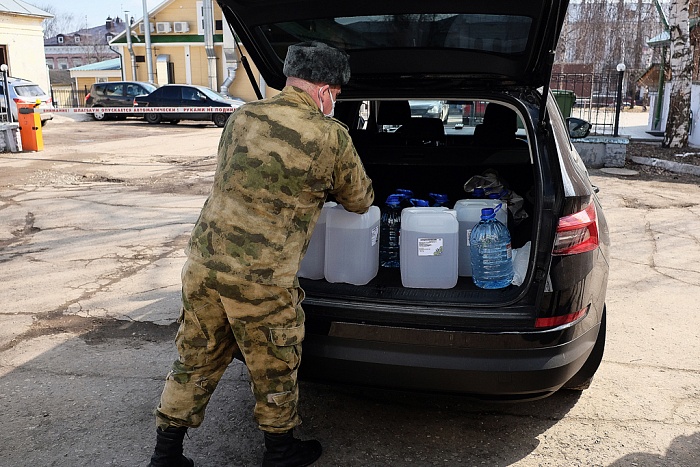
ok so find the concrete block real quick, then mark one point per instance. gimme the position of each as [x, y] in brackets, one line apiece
[10, 140]
[602, 151]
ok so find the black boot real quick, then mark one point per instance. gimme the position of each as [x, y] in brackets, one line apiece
[168, 451]
[284, 450]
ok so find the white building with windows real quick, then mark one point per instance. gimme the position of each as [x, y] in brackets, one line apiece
[21, 41]
[90, 45]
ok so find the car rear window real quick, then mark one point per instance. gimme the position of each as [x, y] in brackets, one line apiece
[503, 34]
[29, 90]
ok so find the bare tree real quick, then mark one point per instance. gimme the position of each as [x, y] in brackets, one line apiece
[604, 32]
[95, 49]
[60, 23]
[678, 121]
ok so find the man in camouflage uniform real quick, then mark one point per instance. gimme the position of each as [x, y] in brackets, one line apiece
[278, 159]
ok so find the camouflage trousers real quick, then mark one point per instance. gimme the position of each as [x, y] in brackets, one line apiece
[219, 317]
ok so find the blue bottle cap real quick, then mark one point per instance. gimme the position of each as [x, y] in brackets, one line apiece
[405, 191]
[487, 213]
[439, 197]
[393, 200]
[419, 203]
[478, 193]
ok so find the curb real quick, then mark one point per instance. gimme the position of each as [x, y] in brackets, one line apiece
[676, 167]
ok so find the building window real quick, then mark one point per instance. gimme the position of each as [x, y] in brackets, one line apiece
[62, 63]
[77, 62]
[76, 39]
[109, 37]
[200, 17]
[60, 39]
[50, 64]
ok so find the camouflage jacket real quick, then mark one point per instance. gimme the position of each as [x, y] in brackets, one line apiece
[277, 160]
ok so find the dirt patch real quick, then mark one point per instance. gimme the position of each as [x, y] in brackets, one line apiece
[689, 156]
[95, 330]
[653, 149]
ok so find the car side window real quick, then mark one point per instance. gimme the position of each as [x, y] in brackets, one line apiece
[171, 93]
[134, 90]
[114, 90]
[190, 94]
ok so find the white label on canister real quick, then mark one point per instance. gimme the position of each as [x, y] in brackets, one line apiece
[374, 235]
[469, 234]
[429, 246]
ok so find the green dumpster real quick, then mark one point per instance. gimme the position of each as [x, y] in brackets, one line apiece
[565, 100]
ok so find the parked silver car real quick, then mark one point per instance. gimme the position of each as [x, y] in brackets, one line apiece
[25, 91]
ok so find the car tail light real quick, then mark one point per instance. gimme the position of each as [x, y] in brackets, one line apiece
[554, 321]
[87, 97]
[577, 233]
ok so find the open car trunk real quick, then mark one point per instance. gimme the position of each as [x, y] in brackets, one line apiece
[405, 154]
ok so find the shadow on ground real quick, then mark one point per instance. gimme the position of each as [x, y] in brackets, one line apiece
[88, 400]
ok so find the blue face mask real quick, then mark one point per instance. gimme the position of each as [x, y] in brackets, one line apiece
[330, 114]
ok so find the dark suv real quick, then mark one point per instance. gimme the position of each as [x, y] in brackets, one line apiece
[520, 342]
[115, 94]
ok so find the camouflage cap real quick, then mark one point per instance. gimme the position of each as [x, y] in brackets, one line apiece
[317, 62]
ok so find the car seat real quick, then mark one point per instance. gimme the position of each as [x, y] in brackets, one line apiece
[498, 128]
[393, 113]
[425, 131]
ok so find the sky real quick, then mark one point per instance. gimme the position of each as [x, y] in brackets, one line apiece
[97, 11]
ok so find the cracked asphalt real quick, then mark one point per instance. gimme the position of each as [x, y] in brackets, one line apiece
[92, 231]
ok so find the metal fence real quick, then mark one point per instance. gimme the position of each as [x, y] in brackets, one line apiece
[62, 98]
[596, 97]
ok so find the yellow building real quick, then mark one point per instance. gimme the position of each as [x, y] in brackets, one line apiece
[190, 43]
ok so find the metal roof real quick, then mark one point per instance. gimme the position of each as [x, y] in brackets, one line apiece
[18, 7]
[664, 38]
[112, 64]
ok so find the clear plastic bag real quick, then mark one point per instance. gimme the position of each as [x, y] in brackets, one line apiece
[521, 259]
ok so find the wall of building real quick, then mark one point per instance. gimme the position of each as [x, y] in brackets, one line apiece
[24, 39]
[186, 52]
[694, 136]
[195, 54]
[70, 56]
[183, 10]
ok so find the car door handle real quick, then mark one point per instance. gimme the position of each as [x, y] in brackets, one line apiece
[595, 189]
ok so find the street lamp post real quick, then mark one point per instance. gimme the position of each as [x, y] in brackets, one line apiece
[618, 105]
[3, 69]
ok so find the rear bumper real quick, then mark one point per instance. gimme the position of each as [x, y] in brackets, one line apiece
[530, 370]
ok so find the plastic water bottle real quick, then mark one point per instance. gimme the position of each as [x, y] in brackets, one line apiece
[406, 196]
[491, 254]
[389, 235]
[439, 199]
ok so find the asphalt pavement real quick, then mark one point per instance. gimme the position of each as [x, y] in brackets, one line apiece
[92, 231]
